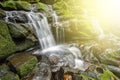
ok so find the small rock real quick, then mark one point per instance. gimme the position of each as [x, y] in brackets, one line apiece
[6, 74]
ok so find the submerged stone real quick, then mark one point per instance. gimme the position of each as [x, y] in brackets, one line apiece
[7, 46]
[23, 63]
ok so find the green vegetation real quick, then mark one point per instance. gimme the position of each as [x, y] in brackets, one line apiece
[23, 63]
[7, 46]
[15, 5]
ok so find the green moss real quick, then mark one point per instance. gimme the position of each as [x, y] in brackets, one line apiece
[24, 45]
[22, 5]
[2, 14]
[15, 5]
[10, 76]
[31, 1]
[41, 6]
[7, 46]
[23, 63]
[27, 67]
[9, 5]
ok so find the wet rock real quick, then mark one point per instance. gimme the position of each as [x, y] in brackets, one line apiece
[7, 46]
[114, 69]
[22, 63]
[42, 72]
[23, 5]
[22, 30]
[8, 5]
[16, 17]
[30, 1]
[10, 76]
[2, 14]
[15, 5]
[6, 74]
[3, 70]
[49, 1]
[22, 35]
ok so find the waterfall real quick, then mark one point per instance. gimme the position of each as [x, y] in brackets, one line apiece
[39, 23]
[43, 31]
[60, 35]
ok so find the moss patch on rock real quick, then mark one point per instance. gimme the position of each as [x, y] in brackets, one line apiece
[2, 14]
[10, 76]
[41, 6]
[6, 74]
[7, 46]
[22, 5]
[23, 63]
[15, 5]
[9, 5]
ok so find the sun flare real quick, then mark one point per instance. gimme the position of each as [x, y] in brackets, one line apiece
[106, 11]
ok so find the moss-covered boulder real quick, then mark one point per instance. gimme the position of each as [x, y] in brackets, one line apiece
[22, 5]
[22, 35]
[2, 14]
[41, 6]
[23, 63]
[8, 5]
[7, 46]
[15, 5]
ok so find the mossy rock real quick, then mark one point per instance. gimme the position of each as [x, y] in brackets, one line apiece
[2, 14]
[7, 46]
[9, 5]
[15, 5]
[3, 70]
[41, 6]
[49, 1]
[10, 76]
[22, 35]
[22, 5]
[23, 63]
[24, 45]
[30, 1]
[6, 74]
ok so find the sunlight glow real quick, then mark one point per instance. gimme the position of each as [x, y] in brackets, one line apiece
[107, 12]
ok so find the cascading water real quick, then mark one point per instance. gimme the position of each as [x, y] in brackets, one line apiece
[43, 31]
[60, 34]
[39, 23]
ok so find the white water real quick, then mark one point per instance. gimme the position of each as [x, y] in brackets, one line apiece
[60, 35]
[43, 31]
[39, 23]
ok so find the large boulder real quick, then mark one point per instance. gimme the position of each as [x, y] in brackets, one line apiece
[22, 63]
[22, 35]
[7, 46]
